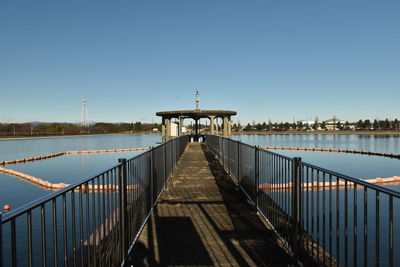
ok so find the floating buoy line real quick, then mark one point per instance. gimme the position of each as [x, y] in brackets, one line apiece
[57, 186]
[106, 188]
[348, 151]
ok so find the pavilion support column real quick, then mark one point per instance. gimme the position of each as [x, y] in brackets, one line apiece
[180, 126]
[212, 124]
[226, 123]
[196, 125]
[229, 128]
[167, 130]
[163, 130]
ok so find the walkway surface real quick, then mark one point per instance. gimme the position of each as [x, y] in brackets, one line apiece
[202, 220]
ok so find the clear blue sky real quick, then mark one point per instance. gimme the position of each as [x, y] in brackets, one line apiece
[264, 59]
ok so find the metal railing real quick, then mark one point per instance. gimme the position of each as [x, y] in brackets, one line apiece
[323, 217]
[94, 222]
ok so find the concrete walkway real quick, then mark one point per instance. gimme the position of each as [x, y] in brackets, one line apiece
[202, 220]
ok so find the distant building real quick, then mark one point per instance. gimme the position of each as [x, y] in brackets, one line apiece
[331, 124]
[309, 123]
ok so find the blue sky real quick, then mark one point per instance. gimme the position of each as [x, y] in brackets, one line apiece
[265, 59]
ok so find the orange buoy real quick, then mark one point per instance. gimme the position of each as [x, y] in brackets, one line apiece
[6, 208]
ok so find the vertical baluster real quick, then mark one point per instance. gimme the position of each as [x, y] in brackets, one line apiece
[330, 221]
[73, 226]
[355, 215]
[313, 252]
[346, 230]
[94, 227]
[365, 226]
[104, 217]
[55, 234]
[65, 240]
[13, 243]
[307, 175]
[323, 219]
[337, 222]
[1, 240]
[377, 237]
[318, 217]
[43, 224]
[81, 225]
[99, 226]
[88, 241]
[391, 255]
[29, 225]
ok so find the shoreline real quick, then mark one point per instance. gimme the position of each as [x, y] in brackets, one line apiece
[395, 133]
[8, 138]
[320, 133]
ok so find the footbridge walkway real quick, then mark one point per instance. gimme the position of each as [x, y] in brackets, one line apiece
[217, 203]
[203, 220]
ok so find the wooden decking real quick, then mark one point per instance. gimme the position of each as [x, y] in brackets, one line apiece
[202, 220]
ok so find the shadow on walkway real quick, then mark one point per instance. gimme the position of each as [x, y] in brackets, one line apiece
[202, 220]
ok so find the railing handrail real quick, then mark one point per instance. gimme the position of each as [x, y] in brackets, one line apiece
[343, 176]
[276, 154]
[37, 202]
[355, 180]
[312, 224]
[91, 223]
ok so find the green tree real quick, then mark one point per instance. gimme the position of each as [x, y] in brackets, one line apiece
[270, 126]
[360, 124]
[264, 126]
[386, 125]
[300, 126]
[316, 123]
[396, 124]
[375, 125]
[323, 125]
[367, 125]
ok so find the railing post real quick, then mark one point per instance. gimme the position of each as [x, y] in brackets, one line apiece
[297, 204]
[256, 176]
[222, 153]
[123, 209]
[165, 163]
[238, 163]
[1, 241]
[229, 156]
[152, 184]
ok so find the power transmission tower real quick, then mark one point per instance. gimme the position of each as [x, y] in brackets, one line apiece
[84, 122]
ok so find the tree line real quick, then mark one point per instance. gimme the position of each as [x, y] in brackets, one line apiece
[43, 129]
[364, 125]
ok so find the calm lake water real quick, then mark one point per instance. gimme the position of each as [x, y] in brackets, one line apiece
[71, 168]
[64, 169]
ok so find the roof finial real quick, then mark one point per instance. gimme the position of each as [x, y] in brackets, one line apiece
[197, 99]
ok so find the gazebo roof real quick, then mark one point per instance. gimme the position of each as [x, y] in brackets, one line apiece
[196, 113]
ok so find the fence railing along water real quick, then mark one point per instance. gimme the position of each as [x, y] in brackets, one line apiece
[323, 217]
[93, 222]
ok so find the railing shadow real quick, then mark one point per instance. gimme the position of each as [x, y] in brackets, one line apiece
[224, 229]
[259, 243]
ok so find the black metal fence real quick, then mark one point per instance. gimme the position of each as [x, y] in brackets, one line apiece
[94, 222]
[323, 217]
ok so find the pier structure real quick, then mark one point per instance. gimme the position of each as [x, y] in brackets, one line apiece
[216, 203]
[196, 115]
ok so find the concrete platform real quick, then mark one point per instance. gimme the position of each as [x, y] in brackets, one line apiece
[202, 220]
